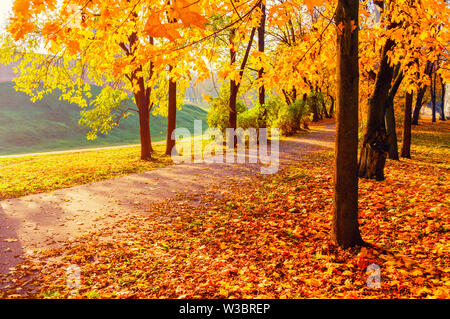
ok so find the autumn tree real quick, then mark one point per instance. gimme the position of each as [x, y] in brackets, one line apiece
[230, 48]
[236, 82]
[406, 35]
[120, 46]
[171, 107]
[261, 47]
[375, 145]
[303, 60]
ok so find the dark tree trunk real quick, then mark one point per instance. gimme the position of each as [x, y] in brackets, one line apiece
[406, 144]
[286, 97]
[232, 119]
[305, 122]
[420, 95]
[345, 218]
[144, 126]
[141, 98]
[261, 41]
[391, 133]
[332, 106]
[232, 122]
[375, 144]
[442, 118]
[433, 95]
[172, 114]
[418, 106]
[390, 117]
[234, 86]
[314, 107]
[325, 111]
[291, 97]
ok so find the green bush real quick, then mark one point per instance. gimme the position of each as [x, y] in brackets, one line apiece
[273, 106]
[288, 118]
[249, 118]
[219, 113]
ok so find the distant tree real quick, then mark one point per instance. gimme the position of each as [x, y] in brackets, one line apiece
[261, 46]
[235, 83]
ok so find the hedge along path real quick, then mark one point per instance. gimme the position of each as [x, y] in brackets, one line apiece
[42, 221]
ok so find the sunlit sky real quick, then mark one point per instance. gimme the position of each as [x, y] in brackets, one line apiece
[5, 9]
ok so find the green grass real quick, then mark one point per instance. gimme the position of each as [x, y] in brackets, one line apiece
[52, 125]
[25, 175]
[36, 174]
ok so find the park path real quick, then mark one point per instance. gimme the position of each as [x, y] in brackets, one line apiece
[49, 220]
[82, 150]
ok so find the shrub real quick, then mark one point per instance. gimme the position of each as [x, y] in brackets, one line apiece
[273, 106]
[290, 117]
[219, 113]
[249, 118]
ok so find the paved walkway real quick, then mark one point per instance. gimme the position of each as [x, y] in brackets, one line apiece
[43, 221]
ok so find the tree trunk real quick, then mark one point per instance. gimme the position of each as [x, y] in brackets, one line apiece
[433, 95]
[418, 106]
[262, 91]
[375, 144]
[172, 114]
[144, 126]
[420, 95]
[286, 97]
[314, 107]
[232, 118]
[345, 218]
[391, 133]
[390, 117]
[325, 111]
[234, 86]
[406, 144]
[141, 98]
[332, 106]
[232, 122]
[442, 101]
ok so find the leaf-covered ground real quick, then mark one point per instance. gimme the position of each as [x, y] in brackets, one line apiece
[270, 238]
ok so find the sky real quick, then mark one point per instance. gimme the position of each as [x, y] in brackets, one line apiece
[5, 9]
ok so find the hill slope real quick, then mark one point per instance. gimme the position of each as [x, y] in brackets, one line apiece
[50, 124]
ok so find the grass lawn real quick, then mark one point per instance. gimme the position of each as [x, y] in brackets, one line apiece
[20, 176]
[52, 125]
[36, 174]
